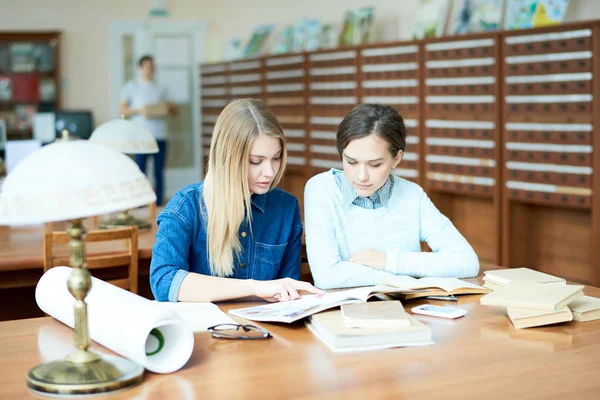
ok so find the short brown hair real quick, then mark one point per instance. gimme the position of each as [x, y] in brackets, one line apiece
[376, 119]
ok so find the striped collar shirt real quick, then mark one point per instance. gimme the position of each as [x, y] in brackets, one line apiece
[377, 200]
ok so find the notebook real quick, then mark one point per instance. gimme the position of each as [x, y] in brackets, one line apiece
[585, 309]
[329, 327]
[527, 318]
[538, 296]
[290, 311]
[375, 314]
[433, 286]
[500, 277]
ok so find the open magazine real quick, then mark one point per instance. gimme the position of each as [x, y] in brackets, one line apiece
[306, 305]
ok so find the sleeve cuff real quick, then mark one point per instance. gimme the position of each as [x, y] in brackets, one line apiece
[176, 284]
[394, 262]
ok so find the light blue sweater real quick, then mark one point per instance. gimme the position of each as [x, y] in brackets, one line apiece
[335, 231]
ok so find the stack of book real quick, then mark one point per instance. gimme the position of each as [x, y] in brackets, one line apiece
[498, 278]
[369, 326]
[533, 298]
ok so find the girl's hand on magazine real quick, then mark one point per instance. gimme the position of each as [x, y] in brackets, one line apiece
[285, 289]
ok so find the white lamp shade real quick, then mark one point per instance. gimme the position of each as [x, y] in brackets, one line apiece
[125, 136]
[68, 180]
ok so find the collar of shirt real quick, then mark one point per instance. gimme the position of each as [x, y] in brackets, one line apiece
[378, 199]
[259, 201]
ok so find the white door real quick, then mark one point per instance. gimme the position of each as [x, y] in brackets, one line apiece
[177, 48]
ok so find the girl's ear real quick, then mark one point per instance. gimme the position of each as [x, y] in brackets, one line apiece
[398, 158]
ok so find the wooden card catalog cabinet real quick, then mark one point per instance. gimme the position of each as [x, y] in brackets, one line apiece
[285, 94]
[462, 137]
[549, 121]
[214, 95]
[332, 93]
[389, 74]
[246, 79]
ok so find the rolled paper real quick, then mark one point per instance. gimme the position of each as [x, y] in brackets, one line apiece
[128, 324]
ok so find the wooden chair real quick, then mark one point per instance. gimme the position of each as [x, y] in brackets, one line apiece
[128, 258]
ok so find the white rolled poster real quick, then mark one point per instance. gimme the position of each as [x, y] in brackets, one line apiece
[128, 324]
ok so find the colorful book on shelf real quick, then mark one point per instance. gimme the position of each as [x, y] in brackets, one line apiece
[290, 311]
[585, 309]
[430, 19]
[433, 286]
[528, 318]
[500, 277]
[538, 296]
[375, 314]
[329, 327]
[478, 16]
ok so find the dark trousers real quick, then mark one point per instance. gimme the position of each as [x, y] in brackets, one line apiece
[159, 166]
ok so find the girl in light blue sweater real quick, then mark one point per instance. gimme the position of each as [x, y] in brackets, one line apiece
[364, 223]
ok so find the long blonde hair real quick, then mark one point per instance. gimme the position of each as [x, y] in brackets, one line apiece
[226, 191]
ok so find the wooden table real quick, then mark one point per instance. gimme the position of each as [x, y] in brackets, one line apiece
[480, 356]
[22, 265]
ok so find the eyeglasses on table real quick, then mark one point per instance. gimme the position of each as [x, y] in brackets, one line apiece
[235, 331]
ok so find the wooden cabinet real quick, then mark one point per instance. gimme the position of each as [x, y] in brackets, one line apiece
[501, 131]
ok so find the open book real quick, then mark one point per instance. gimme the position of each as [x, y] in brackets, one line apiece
[290, 311]
[433, 286]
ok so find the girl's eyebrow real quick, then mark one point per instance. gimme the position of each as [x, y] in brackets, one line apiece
[353, 159]
[263, 157]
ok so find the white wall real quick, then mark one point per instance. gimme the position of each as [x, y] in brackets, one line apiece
[84, 58]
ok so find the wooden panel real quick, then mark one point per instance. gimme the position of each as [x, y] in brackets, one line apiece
[215, 92]
[540, 241]
[462, 166]
[549, 114]
[333, 91]
[285, 91]
[471, 216]
[390, 74]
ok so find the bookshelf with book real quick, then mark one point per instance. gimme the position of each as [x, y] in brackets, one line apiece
[29, 78]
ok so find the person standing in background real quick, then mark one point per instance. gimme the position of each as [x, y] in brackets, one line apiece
[146, 102]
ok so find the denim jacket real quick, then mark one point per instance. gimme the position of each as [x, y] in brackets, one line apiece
[270, 250]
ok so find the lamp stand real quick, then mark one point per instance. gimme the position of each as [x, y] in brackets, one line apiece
[82, 372]
[124, 219]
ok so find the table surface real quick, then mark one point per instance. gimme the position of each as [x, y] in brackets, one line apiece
[22, 248]
[478, 356]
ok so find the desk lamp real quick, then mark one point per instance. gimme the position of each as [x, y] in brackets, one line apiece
[131, 138]
[71, 180]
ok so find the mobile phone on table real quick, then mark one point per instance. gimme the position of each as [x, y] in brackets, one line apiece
[439, 311]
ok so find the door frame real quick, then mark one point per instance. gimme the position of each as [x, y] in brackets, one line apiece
[175, 178]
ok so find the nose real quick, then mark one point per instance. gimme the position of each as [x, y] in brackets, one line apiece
[363, 174]
[268, 171]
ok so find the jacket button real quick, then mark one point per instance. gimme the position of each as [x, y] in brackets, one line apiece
[243, 234]
[242, 265]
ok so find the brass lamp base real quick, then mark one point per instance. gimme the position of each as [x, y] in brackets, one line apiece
[67, 379]
[125, 220]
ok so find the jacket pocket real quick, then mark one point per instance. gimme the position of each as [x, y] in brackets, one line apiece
[267, 260]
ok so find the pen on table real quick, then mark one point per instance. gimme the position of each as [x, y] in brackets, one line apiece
[447, 298]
